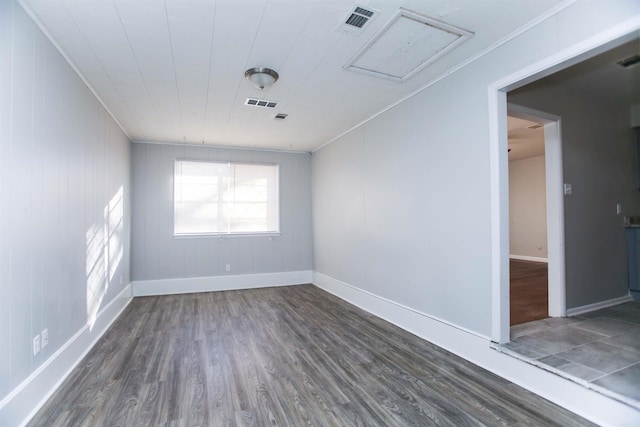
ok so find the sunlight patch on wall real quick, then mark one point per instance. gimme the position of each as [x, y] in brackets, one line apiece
[105, 250]
[115, 231]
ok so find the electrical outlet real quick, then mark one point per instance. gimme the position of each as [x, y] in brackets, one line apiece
[228, 267]
[36, 344]
[45, 337]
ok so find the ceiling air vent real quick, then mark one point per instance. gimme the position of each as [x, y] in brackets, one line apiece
[261, 103]
[356, 20]
[629, 62]
[359, 17]
[281, 116]
[534, 126]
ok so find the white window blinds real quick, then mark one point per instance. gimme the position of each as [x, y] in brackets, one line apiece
[225, 198]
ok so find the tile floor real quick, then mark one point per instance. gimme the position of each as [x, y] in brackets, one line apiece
[600, 349]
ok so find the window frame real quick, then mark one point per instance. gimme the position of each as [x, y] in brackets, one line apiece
[219, 234]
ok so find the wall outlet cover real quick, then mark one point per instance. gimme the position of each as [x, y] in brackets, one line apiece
[36, 345]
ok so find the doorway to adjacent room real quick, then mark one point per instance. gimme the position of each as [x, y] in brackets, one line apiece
[528, 254]
[536, 215]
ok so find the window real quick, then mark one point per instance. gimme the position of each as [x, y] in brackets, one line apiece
[225, 198]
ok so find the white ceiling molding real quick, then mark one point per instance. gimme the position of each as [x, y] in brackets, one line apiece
[172, 71]
[479, 54]
[406, 45]
[45, 30]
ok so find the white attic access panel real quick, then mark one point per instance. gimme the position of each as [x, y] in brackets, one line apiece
[407, 44]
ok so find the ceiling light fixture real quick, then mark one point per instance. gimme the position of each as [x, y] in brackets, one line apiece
[261, 77]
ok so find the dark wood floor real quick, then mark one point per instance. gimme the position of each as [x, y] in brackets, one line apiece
[529, 291]
[288, 356]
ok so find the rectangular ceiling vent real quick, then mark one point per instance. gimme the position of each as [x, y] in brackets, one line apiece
[534, 126]
[630, 61]
[261, 103]
[357, 19]
[406, 45]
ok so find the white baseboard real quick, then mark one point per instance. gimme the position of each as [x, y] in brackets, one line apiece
[19, 406]
[478, 349]
[529, 258]
[598, 305]
[219, 283]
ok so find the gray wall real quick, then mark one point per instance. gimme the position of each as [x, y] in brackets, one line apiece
[62, 161]
[528, 208]
[401, 205]
[156, 254]
[599, 163]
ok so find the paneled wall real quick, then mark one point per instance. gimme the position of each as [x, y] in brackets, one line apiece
[157, 254]
[64, 190]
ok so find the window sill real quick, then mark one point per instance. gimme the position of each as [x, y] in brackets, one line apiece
[223, 236]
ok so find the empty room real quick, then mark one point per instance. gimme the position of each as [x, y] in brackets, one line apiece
[277, 212]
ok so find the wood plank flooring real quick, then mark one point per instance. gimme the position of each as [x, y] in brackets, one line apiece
[529, 291]
[288, 356]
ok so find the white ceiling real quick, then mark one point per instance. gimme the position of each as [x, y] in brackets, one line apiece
[523, 141]
[173, 71]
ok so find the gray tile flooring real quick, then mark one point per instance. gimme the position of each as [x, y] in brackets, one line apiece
[600, 349]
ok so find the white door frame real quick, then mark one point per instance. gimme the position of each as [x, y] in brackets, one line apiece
[499, 178]
[555, 203]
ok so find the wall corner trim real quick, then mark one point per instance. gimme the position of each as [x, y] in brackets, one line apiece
[19, 406]
[479, 350]
[219, 283]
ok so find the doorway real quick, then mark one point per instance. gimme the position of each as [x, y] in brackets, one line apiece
[554, 198]
[497, 109]
[528, 253]
[556, 306]
[554, 194]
